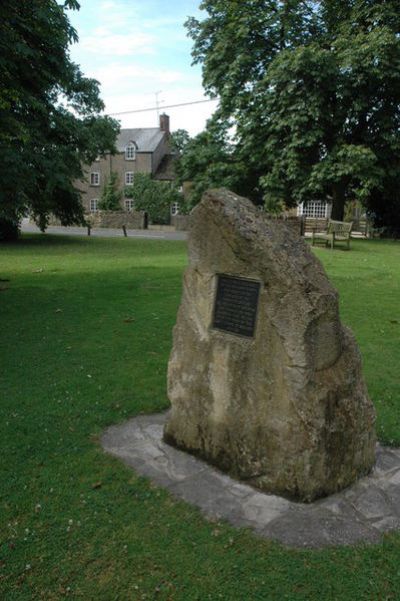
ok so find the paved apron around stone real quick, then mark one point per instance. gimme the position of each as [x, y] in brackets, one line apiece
[361, 513]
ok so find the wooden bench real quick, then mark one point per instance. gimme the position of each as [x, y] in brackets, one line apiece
[337, 231]
[313, 224]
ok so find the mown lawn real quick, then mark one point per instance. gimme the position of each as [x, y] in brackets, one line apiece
[85, 337]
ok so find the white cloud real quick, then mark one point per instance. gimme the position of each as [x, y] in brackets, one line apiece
[113, 29]
[134, 48]
[124, 77]
[114, 15]
[108, 5]
[116, 44]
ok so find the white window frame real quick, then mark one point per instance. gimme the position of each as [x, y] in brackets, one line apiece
[95, 178]
[129, 177]
[130, 152]
[93, 205]
[129, 204]
[175, 209]
[315, 209]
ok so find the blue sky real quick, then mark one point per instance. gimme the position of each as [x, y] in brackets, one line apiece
[135, 49]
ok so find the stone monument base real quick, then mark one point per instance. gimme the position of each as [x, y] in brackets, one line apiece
[360, 514]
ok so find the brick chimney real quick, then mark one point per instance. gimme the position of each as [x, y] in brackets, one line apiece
[164, 123]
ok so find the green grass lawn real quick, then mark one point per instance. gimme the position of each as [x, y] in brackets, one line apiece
[85, 337]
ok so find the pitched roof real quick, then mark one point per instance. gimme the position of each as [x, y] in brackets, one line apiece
[165, 170]
[146, 138]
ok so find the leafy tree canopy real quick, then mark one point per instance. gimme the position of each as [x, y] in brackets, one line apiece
[211, 159]
[179, 140]
[50, 121]
[313, 88]
[153, 196]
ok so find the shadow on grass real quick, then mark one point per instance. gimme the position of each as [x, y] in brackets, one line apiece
[36, 240]
[108, 250]
[55, 240]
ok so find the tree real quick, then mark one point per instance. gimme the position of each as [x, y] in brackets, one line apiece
[211, 160]
[50, 123]
[314, 91]
[205, 161]
[111, 196]
[179, 140]
[153, 196]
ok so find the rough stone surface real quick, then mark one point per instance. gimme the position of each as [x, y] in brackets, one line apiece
[360, 514]
[287, 410]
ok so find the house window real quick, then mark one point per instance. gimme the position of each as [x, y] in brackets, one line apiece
[129, 204]
[175, 208]
[95, 178]
[130, 152]
[129, 178]
[318, 209]
[93, 205]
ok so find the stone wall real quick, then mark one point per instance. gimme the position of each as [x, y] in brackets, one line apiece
[116, 219]
[180, 222]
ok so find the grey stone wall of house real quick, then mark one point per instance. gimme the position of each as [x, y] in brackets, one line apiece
[152, 146]
[112, 163]
[116, 219]
[264, 380]
[89, 191]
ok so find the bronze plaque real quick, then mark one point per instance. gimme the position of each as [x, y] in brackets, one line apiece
[235, 308]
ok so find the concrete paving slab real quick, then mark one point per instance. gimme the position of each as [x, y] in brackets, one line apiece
[315, 528]
[387, 524]
[395, 478]
[372, 504]
[360, 514]
[393, 493]
[386, 460]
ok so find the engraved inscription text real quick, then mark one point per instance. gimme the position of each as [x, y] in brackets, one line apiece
[235, 308]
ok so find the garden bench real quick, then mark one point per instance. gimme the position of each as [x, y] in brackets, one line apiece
[337, 231]
[313, 224]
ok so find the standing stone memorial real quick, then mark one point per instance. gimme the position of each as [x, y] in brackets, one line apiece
[264, 380]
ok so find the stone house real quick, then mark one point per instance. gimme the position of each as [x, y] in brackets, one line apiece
[139, 150]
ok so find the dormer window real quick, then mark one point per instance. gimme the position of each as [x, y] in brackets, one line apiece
[130, 151]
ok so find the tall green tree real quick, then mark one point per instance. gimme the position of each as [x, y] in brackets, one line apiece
[50, 121]
[111, 195]
[314, 90]
[153, 196]
[179, 140]
[206, 160]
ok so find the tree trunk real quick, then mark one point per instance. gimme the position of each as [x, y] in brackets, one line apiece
[9, 230]
[338, 202]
